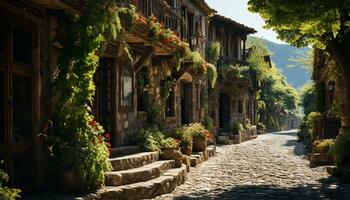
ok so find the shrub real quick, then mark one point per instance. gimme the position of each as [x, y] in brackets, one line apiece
[341, 150]
[261, 126]
[150, 139]
[325, 143]
[248, 125]
[197, 131]
[5, 192]
[237, 127]
[169, 143]
[153, 139]
[209, 123]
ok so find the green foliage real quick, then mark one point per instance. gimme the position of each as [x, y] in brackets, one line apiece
[261, 126]
[208, 123]
[341, 150]
[76, 141]
[257, 62]
[197, 131]
[308, 98]
[214, 52]
[248, 125]
[5, 192]
[305, 136]
[153, 139]
[169, 143]
[211, 74]
[293, 62]
[304, 23]
[237, 127]
[150, 139]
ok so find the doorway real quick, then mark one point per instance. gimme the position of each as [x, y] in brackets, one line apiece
[17, 110]
[185, 96]
[224, 111]
[104, 104]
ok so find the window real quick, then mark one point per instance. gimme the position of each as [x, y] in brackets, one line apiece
[142, 92]
[126, 87]
[22, 109]
[240, 106]
[22, 47]
[170, 105]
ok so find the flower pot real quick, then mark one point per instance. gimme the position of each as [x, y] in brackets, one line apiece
[322, 149]
[199, 144]
[187, 150]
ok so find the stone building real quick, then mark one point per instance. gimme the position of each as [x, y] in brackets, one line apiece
[327, 91]
[29, 49]
[234, 98]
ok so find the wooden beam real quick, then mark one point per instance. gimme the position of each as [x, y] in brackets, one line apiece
[140, 63]
[184, 68]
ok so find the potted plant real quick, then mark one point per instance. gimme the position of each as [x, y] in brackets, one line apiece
[200, 136]
[261, 128]
[187, 144]
[236, 130]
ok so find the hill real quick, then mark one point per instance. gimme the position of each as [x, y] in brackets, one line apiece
[283, 56]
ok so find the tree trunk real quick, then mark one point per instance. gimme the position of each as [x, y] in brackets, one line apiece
[340, 53]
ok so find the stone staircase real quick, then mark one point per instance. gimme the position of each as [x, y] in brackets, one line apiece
[140, 176]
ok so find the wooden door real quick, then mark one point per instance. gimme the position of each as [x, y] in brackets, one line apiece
[17, 98]
[224, 111]
[104, 105]
[186, 105]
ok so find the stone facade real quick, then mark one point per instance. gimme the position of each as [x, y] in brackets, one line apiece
[121, 115]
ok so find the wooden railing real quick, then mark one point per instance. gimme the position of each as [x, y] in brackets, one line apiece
[158, 8]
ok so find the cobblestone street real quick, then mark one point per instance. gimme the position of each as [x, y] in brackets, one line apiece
[273, 166]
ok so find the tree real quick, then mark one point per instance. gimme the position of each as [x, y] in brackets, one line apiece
[322, 23]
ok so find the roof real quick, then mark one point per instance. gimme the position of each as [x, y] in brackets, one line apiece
[230, 22]
[204, 6]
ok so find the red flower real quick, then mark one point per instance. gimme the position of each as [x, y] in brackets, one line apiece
[108, 136]
[93, 123]
[165, 41]
[135, 2]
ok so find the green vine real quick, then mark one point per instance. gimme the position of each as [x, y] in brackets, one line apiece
[75, 139]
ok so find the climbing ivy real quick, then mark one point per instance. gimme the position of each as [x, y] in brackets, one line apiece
[75, 139]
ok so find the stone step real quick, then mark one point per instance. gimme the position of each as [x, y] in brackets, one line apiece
[141, 174]
[125, 150]
[199, 157]
[133, 161]
[143, 190]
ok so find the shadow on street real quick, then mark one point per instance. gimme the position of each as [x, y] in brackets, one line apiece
[329, 189]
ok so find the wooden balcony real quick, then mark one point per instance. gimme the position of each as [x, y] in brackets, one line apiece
[164, 13]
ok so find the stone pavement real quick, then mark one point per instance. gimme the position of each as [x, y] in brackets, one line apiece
[273, 166]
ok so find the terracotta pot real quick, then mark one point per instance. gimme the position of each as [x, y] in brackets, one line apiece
[322, 149]
[199, 144]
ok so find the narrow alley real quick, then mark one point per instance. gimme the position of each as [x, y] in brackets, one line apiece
[273, 166]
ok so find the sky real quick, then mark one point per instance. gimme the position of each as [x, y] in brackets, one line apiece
[238, 11]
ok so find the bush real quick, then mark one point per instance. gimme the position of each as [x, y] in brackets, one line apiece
[5, 192]
[261, 126]
[248, 124]
[341, 150]
[209, 123]
[197, 131]
[153, 139]
[325, 143]
[169, 143]
[237, 127]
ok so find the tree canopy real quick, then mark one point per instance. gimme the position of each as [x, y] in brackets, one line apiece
[302, 23]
